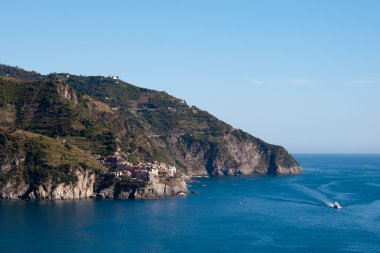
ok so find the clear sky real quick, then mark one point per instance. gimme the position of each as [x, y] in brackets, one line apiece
[302, 74]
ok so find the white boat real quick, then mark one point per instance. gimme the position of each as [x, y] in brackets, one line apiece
[336, 205]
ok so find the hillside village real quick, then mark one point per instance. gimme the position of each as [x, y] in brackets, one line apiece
[121, 168]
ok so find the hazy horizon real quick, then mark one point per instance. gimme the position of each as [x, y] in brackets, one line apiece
[303, 75]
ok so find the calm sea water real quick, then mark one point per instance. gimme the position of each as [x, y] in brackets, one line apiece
[230, 214]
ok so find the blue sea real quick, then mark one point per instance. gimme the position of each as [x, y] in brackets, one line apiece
[229, 214]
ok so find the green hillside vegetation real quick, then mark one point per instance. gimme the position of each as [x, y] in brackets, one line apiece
[9, 71]
[39, 107]
[158, 111]
[148, 113]
[36, 159]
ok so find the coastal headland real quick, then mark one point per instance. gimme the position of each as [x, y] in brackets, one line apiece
[65, 136]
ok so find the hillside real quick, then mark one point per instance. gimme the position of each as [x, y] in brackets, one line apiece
[36, 166]
[103, 116]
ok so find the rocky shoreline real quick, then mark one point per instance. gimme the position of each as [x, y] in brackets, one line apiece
[157, 188]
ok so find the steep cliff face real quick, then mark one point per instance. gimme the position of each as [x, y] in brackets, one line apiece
[82, 188]
[157, 187]
[249, 155]
[233, 153]
[161, 187]
[36, 167]
[13, 189]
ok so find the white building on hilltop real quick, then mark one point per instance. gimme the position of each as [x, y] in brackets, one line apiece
[113, 77]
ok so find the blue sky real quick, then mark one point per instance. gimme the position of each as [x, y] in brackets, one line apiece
[302, 74]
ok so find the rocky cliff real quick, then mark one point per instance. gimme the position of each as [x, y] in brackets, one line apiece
[162, 187]
[33, 166]
[82, 188]
[233, 153]
[156, 188]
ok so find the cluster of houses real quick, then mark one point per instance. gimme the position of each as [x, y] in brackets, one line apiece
[142, 171]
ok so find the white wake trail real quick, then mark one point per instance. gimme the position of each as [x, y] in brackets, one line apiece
[314, 194]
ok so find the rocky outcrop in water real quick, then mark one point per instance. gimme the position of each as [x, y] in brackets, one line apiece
[156, 188]
[162, 187]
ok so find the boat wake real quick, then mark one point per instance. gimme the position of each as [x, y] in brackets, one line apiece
[321, 198]
[312, 203]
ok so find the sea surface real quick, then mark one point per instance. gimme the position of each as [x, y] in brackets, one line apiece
[229, 214]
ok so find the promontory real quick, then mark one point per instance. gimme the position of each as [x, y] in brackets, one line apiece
[66, 136]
